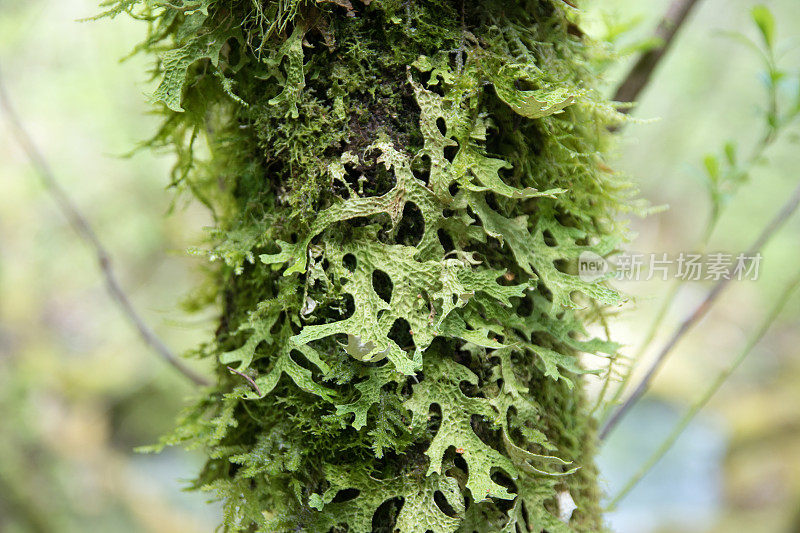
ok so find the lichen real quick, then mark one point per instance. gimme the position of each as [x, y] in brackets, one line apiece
[401, 190]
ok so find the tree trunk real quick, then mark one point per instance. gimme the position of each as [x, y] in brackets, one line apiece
[401, 190]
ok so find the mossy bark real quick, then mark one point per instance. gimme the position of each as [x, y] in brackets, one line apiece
[401, 190]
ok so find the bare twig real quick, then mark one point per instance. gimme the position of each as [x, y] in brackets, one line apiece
[85, 231]
[703, 400]
[248, 378]
[639, 76]
[783, 215]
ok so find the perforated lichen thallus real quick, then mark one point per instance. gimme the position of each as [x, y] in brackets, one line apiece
[401, 192]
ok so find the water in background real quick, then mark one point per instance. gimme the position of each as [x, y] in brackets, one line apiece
[684, 490]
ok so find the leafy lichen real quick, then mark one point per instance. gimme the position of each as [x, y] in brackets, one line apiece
[401, 191]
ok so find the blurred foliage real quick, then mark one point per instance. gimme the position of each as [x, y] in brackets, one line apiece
[705, 94]
[726, 174]
[78, 390]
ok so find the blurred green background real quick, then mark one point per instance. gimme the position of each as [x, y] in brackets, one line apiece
[79, 391]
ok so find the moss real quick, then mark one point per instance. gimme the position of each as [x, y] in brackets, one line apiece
[401, 191]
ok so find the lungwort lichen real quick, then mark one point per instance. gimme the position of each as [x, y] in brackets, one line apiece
[400, 189]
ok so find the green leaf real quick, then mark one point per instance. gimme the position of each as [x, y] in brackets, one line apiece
[763, 18]
[730, 153]
[712, 168]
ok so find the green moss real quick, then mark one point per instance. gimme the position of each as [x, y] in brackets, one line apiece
[401, 191]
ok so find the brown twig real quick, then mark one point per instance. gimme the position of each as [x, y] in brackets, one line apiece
[248, 378]
[774, 225]
[85, 231]
[639, 76]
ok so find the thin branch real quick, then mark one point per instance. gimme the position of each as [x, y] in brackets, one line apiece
[85, 231]
[639, 76]
[248, 378]
[775, 224]
[703, 400]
